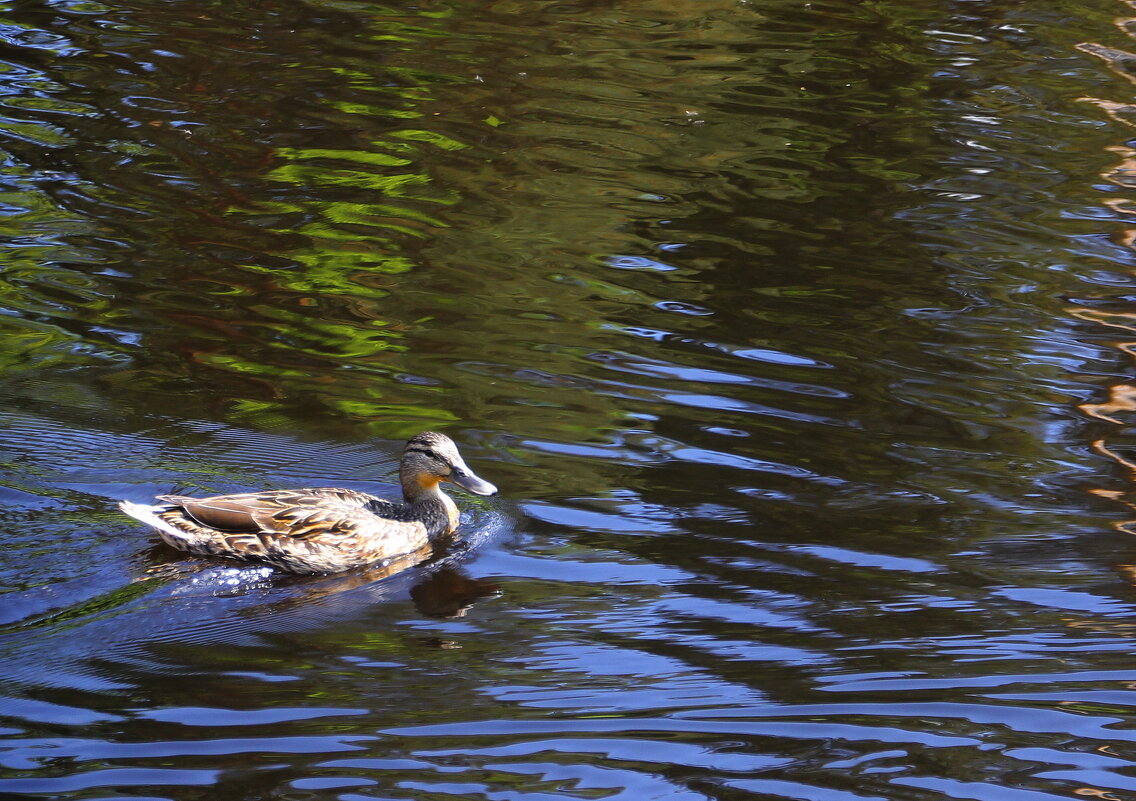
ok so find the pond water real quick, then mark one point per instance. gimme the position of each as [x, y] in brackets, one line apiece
[798, 336]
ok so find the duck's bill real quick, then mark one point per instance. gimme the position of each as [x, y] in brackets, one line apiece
[471, 483]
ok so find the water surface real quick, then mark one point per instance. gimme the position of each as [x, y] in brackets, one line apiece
[798, 337]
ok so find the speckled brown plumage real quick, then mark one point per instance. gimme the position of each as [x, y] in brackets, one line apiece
[323, 530]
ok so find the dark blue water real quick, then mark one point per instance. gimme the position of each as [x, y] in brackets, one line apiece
[798, 336]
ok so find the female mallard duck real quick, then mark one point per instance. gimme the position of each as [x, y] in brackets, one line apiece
[322, 530]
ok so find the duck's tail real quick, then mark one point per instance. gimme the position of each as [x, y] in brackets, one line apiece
[149, 516]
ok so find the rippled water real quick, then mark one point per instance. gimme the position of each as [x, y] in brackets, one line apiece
[798, 336]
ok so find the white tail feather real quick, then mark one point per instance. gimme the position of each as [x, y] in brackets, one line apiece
[149, 516]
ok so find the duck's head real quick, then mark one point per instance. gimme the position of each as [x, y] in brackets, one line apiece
[430, 458]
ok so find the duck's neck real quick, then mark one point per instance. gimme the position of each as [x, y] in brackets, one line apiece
[426, 502]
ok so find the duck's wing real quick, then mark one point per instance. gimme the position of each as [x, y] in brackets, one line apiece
[306, 514]
[304, 531]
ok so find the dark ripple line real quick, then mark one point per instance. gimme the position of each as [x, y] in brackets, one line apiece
[629, 749]
[795, 730]
[113, 777]
[859, 685]
[1014, 718]
[27, 754]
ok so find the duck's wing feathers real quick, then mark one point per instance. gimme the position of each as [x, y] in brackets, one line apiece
[303, 531]
[307, 515]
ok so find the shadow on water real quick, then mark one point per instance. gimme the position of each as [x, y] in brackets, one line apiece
[794, 334]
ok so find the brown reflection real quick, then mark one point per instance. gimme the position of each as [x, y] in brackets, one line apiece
[1093, 792]
[450, 593]
[1121, 396]
[1117, 60]
[1121, 401]
[1120, 405]
[1116, 495]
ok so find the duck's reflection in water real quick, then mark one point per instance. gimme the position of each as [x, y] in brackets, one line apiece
[188, 602]
[437, 586]
[448, 592]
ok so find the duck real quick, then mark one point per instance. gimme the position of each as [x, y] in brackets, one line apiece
[323, 530]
